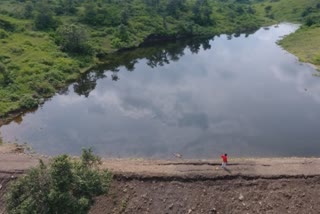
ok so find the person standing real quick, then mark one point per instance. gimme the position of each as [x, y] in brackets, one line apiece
[224, 160]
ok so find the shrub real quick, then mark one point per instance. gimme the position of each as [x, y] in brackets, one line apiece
[74, 39]
[3, 34]
[43, 88]
[6, 75]
[316, 59]
[2, 68]
[268, 8]
[312, 20]
[28, 102]
[6, 25]
[64, 185]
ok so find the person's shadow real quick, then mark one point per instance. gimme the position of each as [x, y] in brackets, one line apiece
[227, 170]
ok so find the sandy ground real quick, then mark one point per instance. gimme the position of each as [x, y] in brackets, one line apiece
[263, 185]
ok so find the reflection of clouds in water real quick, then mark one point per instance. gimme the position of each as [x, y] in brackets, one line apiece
[305, 82]
[199, 120]
[66, 100]
[275, 33]
[176, 106]
[237, 126]
[112, 101]
[225, 99]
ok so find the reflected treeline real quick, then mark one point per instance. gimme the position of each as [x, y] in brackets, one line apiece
[155, 55]
[88, 82]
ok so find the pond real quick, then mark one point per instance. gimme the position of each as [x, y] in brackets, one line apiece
[240, 94]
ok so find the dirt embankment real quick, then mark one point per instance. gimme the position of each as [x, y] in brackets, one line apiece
[267, 185]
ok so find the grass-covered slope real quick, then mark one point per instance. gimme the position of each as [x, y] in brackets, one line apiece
[305, 42]
[286, 10]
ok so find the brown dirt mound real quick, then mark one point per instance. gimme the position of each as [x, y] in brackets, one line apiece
[238, 195]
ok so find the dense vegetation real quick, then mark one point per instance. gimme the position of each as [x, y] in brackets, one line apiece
[64, 186]
[305, 42]
[45, 44]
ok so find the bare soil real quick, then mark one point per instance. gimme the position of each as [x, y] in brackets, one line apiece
[257, 185]
[239, 195]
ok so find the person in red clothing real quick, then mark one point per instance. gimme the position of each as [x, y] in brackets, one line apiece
[224, 160]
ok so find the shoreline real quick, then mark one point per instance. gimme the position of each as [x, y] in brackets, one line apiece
[149, 41]
[14, 158]
[247, 185]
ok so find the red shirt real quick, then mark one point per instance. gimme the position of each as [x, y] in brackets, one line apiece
[224, 158]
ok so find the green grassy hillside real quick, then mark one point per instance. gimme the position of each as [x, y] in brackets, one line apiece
[286, 10]
[304, 43]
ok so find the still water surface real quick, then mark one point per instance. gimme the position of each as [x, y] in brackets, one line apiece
[242, 95]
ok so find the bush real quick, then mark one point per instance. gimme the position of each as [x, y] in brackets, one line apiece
[6, 75]
[28, 102]
[64, 185]
[74, 39]
[312, 20]
[2, 68]
[42, 87]
[3, 34]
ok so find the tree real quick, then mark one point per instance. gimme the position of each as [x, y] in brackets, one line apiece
[44, 19]
[94, 15]
[28, 10]
[73, 38]
[152, 3]
[202, 12]
[70, 6]
[5, 75]
[64, 185]
[174, 6]
[124, 17]
[90, 14]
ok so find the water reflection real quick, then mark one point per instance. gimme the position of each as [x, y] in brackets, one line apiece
[245, 96]
[155, 56]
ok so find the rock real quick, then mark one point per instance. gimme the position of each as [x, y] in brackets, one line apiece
[41, 101]
[213, 211]
[171, 206]
[189, 211]
[178, 155]
[241, 197]
[0, 186]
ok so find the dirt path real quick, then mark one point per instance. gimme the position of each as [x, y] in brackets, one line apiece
[261, 167]
[263, 185]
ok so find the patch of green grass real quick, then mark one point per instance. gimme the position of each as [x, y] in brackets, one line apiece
[37, 66]
[305, 44]
[284, 10]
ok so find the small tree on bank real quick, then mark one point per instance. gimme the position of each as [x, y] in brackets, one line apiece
[64, 186]
[73, 39]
